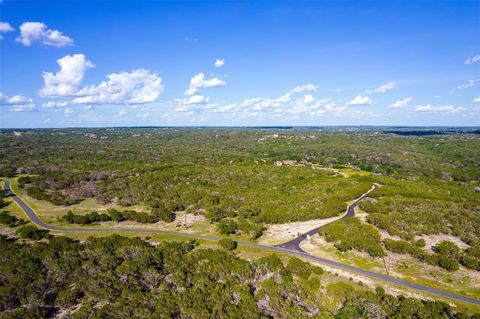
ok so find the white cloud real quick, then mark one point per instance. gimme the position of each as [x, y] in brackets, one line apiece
[88, 107]
[467, 85]
[194, 99]
[145, 115]
[23, 107]
[477, 100]
[68, 111]
[474, 59]
[400, 103]
[439, 109]
[219, 62]
[122, 113]
[4, 28]
[199, 81]
[136, 87]
[308, 98]
[360, 100]
[18, 103]
[304, 88]
[38, 31]
[66, 81]
[382, 88]
[52, 104]
[166, 117]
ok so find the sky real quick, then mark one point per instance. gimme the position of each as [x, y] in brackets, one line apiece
[239, 63]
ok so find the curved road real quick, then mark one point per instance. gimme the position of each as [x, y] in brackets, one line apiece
[36, 220]
[294, 244]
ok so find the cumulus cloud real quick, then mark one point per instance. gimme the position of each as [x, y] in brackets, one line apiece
[400, 103]
[192, 103]
[52, 104]
[439, 109]
[145, 115]
[17, 103]
[219, 62]
[467, 85]
[382, 88]
[4, 28]
[477, 100]
[37, 31]
[135, 87]
[304, 88]
[122, 113]
[308, 98]
[360, 100]
[474, 59]
[199, 81]
[66, 82]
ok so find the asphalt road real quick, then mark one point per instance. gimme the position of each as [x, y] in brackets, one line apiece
[294, 244]
[36, 220]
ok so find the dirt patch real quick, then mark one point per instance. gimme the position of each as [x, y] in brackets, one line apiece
[177, 225]
[279, 233]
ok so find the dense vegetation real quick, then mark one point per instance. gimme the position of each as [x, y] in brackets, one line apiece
[226, 173]
[111, 214]
[349, 233]
[409, 208]
[430, 183]
[119, 277]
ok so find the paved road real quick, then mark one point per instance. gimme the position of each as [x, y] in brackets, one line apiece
[35, 219]
[294, 244]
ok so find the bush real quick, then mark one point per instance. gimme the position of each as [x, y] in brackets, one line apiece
[7, 171]
[22, 180]
[397, 246]
[32, 232]
[420, 243]
[350, 233]
[9, 220]
[163, 213]
[228, 244]
[299, 267]
[447, 248]
[447, 263]
[227, 227]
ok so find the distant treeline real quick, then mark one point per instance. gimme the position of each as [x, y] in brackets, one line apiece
[431, 132]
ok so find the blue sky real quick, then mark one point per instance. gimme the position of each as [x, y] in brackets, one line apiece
[125, 63]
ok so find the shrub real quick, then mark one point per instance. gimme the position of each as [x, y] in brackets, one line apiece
[163, 213]
[9, 220]
[420, 243]
[227, 227]
[447, 248]
[227, 244]
[32, 232]
[397, 246]
[447, 263]
[299, 267]
[350, 233]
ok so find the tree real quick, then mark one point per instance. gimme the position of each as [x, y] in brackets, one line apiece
[227, 227]
[163, 213]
